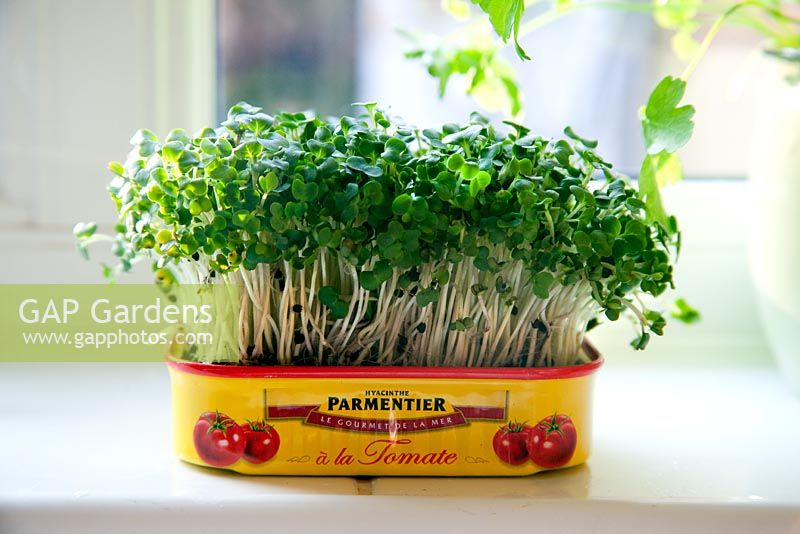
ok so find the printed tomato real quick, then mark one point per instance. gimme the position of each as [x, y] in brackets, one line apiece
[262, 442]
[218, 439]
[509, 443]
[552, 441]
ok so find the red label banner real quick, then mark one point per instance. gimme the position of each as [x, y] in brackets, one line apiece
[392, 425]
[460, 417]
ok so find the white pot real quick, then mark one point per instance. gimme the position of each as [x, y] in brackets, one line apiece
[775, 226]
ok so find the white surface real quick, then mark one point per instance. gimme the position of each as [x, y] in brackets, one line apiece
[86, 448]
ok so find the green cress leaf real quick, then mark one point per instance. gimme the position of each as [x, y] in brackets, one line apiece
[171, 152]
[479, 182]
[329, 296]
[145, 142]
[251, 149]
[394, 151]
[427, 296]
[640, 343]
[611, 225]
[339, 309]
[304, 192]
[371, 280]
[656, 322]
[419, 209]
[455, 162]
[241, 218]
[269, 182]
[590, 143]
[360, 164]
[541, 283]
[84, 230]
[468, 135]
[373, 192]
[208, 147]
[469, 170]
[666, 126]
[445, 185]
[197, 188]
[117, 168]
[159, 175]
[401, 204]
[684, 312]
[143, 135]
[179, 135]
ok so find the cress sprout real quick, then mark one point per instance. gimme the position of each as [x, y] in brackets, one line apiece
[364, 241]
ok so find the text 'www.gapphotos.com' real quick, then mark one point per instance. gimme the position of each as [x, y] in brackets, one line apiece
[111, 339]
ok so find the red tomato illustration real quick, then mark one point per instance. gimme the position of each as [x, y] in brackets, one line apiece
[218, 439]
[509, 443]
[551, 442]
[262, 442]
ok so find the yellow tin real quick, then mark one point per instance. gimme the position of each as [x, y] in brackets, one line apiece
[377, 421]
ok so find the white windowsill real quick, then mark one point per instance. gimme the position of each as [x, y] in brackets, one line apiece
[88, 450]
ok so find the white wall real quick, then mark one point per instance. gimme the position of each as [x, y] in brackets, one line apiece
[77, 78]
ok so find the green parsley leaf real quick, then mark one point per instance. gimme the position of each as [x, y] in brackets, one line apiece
[666, 126]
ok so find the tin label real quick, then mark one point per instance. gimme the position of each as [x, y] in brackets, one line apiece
[391, 411]
[385, 426]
